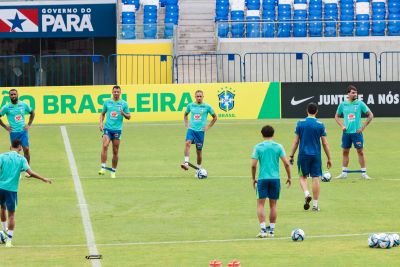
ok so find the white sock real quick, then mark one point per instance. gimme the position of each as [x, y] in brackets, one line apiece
[363, 170]
[272, 225]
[306, 193]
[113, 169]
[344, 169]
[198, 166]
[315, 203]
[4, 225]
[103, 165]
[186, 159]
[10, 234]
[262, 225]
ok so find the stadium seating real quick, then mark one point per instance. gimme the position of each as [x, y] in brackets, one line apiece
[150, 18]
[307, 18]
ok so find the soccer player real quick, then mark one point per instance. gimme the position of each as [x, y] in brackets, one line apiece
[195, 133]
[15, 112]
[352, 128]
[11, 164]
[268, 184]
[115, 110]
[309, 134]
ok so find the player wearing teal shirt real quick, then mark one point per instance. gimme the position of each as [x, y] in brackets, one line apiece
[15, 112]
[268, 185]
[11, 165]
[352, 109]
[195, 134]
[115, 110]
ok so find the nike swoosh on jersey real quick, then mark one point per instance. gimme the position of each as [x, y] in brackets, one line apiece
[296, 102]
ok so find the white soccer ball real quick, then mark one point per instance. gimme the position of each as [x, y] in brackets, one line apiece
[384, 241]
[326, 177]
[3, 237]
[298, 235]
[396, 240]
[202, 174]
[373, 241]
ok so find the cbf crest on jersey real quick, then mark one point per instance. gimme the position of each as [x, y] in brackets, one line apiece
[226, 100]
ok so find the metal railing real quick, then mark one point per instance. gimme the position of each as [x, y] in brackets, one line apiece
[58, 70]
[140, 69]
[274, 67]
[72, 70]
[344, 66]
[208, 68]
[389, 66]
[17, 70]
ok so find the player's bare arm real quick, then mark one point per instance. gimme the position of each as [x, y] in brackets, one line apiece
[126, 115]
[39, 177]
[337, 119]
[295, 145]
[214, 119]
[325, 145]
[287, 168]
[101, 125]
[6, 127]
[253, 172]
[186, 119]
[370, 116]
[31, 118]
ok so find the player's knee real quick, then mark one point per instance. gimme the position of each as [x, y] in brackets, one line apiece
[188, 143]
[360, 152]
[25, 149]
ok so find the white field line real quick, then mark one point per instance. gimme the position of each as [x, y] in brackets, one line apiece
[178, 242]
[236, 122]
[211, 177]
[81, 199]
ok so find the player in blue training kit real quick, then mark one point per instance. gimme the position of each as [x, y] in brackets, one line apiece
[15, 112]
[11, 165]
[352, 128]
[268, 184]
[309, 132]
[114, 110]
[197, 127]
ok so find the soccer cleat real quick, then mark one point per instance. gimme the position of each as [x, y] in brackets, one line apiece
[342, 176]
[271, 232]
[185, 166]
[102, 171]
[262, 234]
[314, 208]
[112, 175]
[365, 176]
[9, 244]
[307, 201]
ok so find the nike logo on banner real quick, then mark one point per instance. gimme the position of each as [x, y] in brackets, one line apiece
[296, 102]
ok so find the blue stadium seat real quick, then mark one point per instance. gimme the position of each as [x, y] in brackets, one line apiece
[315, 18]
[284, 19]
[299, 18]
[268, 18]
[346, 17]
[394, 17]
[362, 18]
[237, 27]
[128, 21]
[253, 24]
[331, 16]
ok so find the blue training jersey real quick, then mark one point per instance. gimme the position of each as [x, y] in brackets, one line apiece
[310, 131]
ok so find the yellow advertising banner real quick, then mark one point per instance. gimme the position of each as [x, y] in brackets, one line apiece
[83, 104]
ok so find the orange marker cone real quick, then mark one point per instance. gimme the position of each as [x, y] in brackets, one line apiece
[234, 263]
[215, 263]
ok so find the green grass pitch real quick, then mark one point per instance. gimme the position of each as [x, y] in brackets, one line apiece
[155, 214]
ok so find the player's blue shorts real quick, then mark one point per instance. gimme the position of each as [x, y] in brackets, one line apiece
[309, 165]
[197, 137]
[268, 188]
[356, 139]
[113, 135]
[8, 199]
[22, 136]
